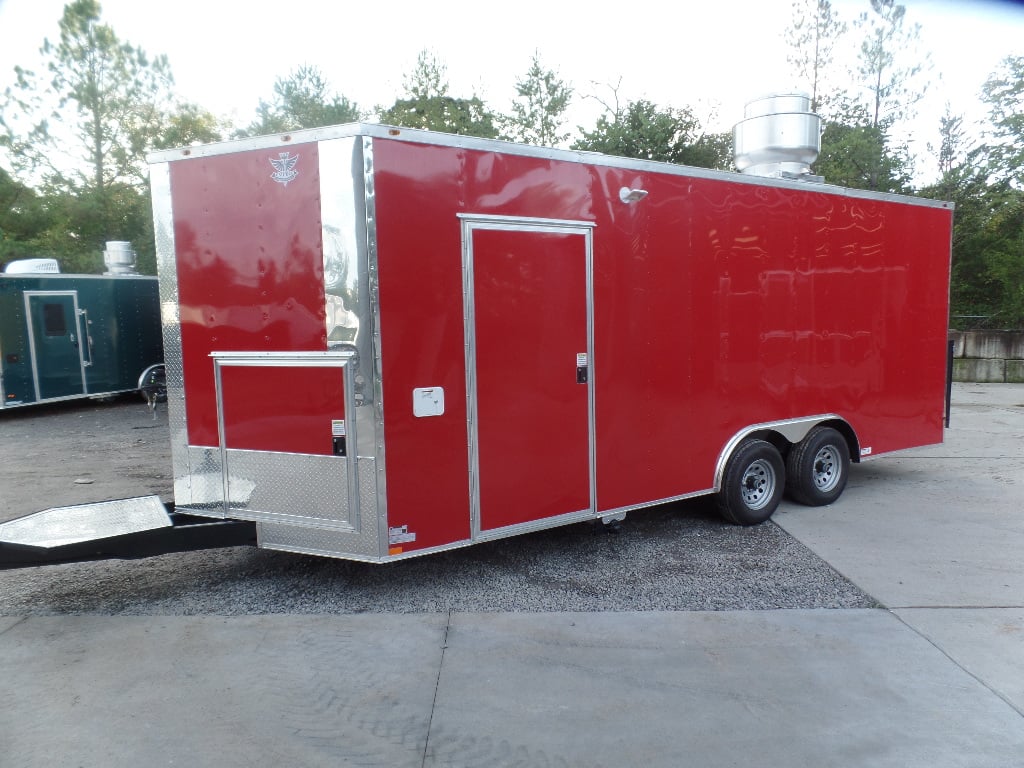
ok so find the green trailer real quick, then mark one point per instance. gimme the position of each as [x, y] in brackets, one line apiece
[66, 336]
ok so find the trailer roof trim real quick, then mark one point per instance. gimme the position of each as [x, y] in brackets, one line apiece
[417, 136]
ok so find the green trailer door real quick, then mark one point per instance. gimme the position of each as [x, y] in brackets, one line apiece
[55, 343]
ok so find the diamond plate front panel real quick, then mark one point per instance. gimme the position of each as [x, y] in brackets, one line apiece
[167, 271]
[295, 488]
[282, 534]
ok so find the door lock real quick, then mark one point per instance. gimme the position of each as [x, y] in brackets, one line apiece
[581, 367]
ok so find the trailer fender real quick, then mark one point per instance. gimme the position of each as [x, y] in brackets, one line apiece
[782, 434]
[153, 384]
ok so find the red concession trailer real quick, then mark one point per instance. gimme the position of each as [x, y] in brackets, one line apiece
[384, 342]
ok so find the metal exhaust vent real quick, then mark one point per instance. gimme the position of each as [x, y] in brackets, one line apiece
[119, 258]
[779, 137]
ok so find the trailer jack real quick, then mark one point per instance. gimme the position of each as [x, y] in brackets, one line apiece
[124, 529]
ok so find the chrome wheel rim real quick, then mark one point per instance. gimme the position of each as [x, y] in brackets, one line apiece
[758, 484]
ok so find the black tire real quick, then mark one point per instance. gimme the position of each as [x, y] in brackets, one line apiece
[817, 468]
[753, 483]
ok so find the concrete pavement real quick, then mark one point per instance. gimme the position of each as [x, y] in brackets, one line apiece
[935, 679]
[773, 688]
[937, 526]
[937, 535]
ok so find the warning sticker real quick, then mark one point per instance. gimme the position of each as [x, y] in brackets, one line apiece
[337, 428]
[581, 359]
[400, 535]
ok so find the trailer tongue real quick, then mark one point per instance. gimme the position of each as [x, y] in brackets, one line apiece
[124, 528]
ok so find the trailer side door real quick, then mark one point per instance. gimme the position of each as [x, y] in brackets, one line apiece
[529, 362]
[55, 343]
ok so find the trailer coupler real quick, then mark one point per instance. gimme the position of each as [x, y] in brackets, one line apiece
[123, 529]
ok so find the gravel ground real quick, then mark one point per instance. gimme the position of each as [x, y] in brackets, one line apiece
[675, 557]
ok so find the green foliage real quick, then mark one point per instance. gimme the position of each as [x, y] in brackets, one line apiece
[187, 124]
[467, 117]
[539, 107]
[988, 250]
[857, 148]
[81, 133]
[1004, 93]
[860, 156]
[429, 78]
[645, 131]
[85, 123]
[429, 106]
[988, 227]
[302, 100]
[22, 215]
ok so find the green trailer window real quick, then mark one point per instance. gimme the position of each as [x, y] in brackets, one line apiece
[53, 320]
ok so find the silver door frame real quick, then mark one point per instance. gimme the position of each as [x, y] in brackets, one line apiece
[28, 295]
[470, 224]
[337, 359]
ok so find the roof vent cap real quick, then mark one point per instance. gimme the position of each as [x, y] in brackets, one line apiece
[119, 258]
[779, 137]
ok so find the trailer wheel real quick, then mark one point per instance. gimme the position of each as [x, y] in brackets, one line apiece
[153, 384]
[752, 484]
[817, 467]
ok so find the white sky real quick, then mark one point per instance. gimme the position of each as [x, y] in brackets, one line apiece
[713, 55]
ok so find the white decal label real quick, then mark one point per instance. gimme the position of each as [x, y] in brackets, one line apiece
[581, 359]
[865, 451]
[284, 168]
[400, 535]
[337, 428]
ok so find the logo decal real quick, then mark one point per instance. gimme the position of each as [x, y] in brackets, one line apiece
[284, 168]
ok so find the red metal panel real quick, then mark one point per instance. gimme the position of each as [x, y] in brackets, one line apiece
[422, 339]
[530, 299]
[289, 409]
[419, 192]
[733, 304]
[718, 304]
[250, 266]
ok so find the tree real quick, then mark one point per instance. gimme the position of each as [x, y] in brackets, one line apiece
[428, 79]
[79, 125]
[539, 107]
[643, 130]
[988, 239]
[952, 138]
[987, 281]
[81, 133]
[22, 218]
[302, 100]
[428, 105]
[1004, 93]
[813, 34]
[890, 62]
[186, 124]
[855, 153]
